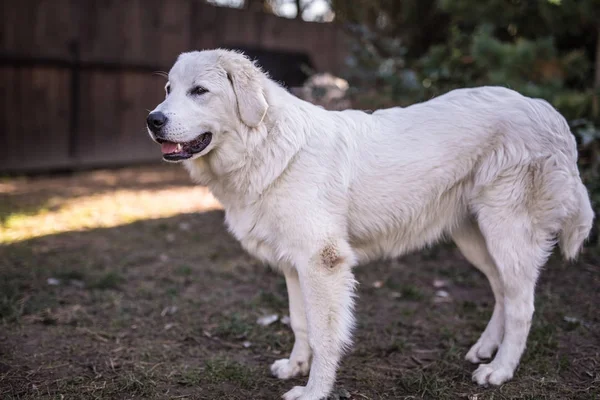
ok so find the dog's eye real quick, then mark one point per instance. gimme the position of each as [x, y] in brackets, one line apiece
[197, 91]
[168, 88]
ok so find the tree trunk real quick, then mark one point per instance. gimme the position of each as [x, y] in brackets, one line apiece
[299, 9]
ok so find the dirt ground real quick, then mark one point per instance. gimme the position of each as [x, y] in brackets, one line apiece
[125, 284]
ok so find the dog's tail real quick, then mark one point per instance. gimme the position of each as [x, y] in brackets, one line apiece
[578, 226]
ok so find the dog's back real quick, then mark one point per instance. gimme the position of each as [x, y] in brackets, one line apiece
[419, 171]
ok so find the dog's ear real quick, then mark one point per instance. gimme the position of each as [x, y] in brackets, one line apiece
[246, 79]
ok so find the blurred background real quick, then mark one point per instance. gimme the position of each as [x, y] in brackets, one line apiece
[117, 277]
[79, 76]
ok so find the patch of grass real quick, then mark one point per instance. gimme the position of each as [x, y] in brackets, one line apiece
[477, 313]
[447, 336]
[135, 384]
[43, 300]
[70, 275]
[469, 307]
[109, 280]
[392, 285]
[218, 371]
[571, 325]
[410, 292]
[14, 305]
[407, 292]
[191, 377]
[172, 292]
[438, 379]
[541, 348]
[542, 338]
[11, 302]
[564, 363]
[184, 270]
[462, 273]
[395, 345]
[162, 227]
[277, 340]
[234, 326]
[145, 293]
[127, 384]
[121, 322]
[20, 291]
[407, 312]
[269, 300]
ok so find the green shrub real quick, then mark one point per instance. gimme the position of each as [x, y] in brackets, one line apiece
[489, 43]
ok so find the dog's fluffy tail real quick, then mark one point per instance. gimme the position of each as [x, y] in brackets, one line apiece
[578, 226]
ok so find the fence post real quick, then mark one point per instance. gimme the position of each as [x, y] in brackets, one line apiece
[75, 100]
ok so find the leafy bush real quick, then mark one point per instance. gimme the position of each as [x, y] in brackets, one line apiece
[477, 52]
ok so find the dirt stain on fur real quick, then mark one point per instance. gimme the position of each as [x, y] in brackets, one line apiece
[330, 256]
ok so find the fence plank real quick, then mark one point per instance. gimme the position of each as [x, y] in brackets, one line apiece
[141, 32]
[151, 33]
[205, 26]
[34, 118]
[51, 121]
[41, 28]
[112, 119]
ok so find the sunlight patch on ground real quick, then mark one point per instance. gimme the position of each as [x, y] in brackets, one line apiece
[104, 210]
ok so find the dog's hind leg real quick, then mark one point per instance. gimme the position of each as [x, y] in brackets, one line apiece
[472, 244]
[299, 361]
[519, 242]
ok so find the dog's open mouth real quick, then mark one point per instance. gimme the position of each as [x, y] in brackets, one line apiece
[182, 151]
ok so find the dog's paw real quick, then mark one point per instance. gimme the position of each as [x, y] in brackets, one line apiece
[286, 369]
[296, 393]
[482, 350]
[303, 393]
[492, 374]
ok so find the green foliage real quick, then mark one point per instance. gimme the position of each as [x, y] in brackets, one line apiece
[543, 49]
[525, 18]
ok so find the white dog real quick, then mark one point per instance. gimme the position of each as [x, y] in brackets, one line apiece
[315, 192]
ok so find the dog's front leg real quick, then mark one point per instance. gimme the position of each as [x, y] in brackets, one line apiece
[299, 361]
[327, 286]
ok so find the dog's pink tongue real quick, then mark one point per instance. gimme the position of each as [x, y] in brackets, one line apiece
[168, 147]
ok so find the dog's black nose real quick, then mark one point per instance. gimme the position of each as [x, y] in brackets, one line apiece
[156, 120]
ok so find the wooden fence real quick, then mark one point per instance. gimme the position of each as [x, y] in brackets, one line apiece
[76, 76]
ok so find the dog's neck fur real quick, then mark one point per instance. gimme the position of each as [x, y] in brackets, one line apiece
[240, 172]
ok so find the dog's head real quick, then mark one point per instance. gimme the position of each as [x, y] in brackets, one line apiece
[209, 95]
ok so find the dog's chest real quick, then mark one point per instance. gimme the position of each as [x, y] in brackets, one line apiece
[251, 232]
